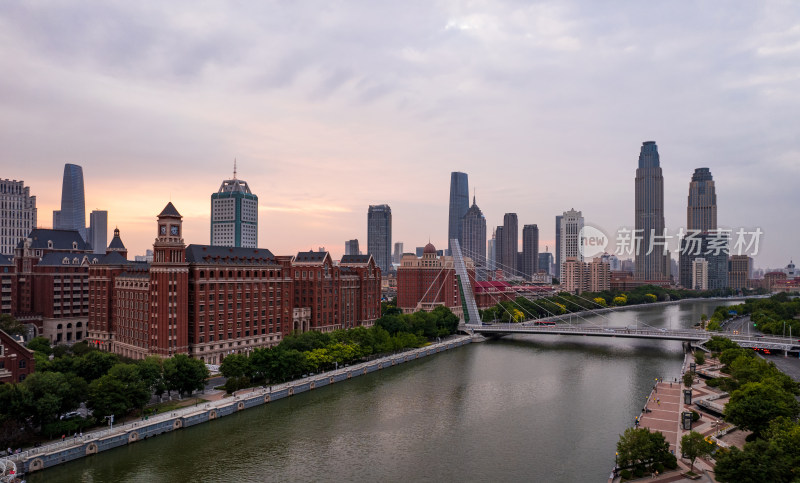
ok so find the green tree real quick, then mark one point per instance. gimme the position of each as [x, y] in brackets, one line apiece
[118, 392]
[639, 447]
[95, 364]
[235, 365]
[754, 464]
[40, 344]
[688, 379]
[11, 326]
[151, 370]
[755, 404]
[184, 374]
[51, 394]
[699, 357]
[694, 445]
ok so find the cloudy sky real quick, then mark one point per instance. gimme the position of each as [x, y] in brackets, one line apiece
[331, 106]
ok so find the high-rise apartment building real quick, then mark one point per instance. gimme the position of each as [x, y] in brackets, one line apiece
[651, 258]
[98, 231]
[739, 267]
[510, 244]
[72, 215]
[379, 236]
[530, 250]
[17, 214]
[459, 204]
[557, 269]
[351, 247]
[498, 248]
[568, 239]
[699, 274]
[234, 215]
[474, 244]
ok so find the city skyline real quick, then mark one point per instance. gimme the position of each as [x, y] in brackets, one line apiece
[399, 111]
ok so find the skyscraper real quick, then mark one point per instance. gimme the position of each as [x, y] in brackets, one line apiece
[234, 214]
[398, 252]
[17, 214]
[510, 244]
[459, 204]
[702, 236]
[474, 244]
[530, 250]
[351, 247]
[569, 239]
[557, 268]
[546, 262]
[651, 261]
[491, 255]
[379, 235]
[701, 211]
[98, 231]
[72, 215]
[498, 248]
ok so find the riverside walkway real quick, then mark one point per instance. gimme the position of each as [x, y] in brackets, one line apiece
[57, 452]
[662, 411]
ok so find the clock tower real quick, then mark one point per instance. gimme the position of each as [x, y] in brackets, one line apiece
[169, 287]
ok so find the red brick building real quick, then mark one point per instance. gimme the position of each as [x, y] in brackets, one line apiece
[51, 289]
[428, 282]
[16, 361]
[211, 301]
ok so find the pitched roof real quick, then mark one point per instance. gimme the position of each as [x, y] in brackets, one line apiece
[311, 257]
[62, 239]
[116, 242]
[170, 210]
[56, 259]
[112, 258]
[355, 259]
[229, 255]
[5, 260]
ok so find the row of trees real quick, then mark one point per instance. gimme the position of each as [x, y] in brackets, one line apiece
[66, 377]
[299, 354]
[764, 401]
[774, 315]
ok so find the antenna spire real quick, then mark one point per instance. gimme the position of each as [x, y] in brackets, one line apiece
[234, 168]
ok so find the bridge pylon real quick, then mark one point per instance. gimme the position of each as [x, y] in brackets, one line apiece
[470, 315]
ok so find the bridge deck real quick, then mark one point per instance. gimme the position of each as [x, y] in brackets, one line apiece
[685, 335]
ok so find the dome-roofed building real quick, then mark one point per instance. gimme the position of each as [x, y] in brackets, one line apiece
[430, 281]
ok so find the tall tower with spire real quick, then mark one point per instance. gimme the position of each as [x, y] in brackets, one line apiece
[234, 214]
[474, 241]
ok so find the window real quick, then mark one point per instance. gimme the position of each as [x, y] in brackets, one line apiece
[22, 364]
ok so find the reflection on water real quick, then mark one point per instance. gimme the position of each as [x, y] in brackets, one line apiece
[522, 408]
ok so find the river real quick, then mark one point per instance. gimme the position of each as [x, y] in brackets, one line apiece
[523, 408]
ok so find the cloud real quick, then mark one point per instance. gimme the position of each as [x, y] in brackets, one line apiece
[332, 107]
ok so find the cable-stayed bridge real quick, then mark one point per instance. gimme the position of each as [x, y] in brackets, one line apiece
[552, 325]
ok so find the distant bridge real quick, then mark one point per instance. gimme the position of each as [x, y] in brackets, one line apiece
[693, 336]
[471, 323]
